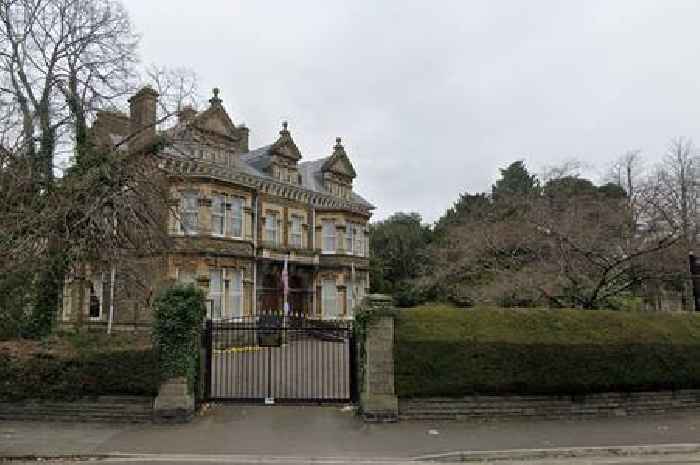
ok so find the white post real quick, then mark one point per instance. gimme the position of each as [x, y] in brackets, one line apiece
[111, 298]
[113, 277]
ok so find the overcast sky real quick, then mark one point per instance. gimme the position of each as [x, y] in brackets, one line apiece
[431, 98]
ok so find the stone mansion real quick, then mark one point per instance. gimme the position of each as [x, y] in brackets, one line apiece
[237, 215]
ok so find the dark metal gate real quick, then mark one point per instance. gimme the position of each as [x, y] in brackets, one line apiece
[275, 359]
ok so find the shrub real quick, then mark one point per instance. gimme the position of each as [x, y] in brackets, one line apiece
[94, 372]
[178, 313]
[443, 351]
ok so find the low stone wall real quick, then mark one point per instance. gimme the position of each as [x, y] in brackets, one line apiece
[121, 409]
[563, 406]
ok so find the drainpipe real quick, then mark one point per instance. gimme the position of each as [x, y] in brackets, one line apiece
[313, 248]
[255, 252]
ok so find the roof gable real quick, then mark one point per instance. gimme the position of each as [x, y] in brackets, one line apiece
[215, 119]
[285, 146]
[339, 162]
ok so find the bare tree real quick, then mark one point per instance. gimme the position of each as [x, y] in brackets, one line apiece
[178, 88]
[679, 181]
[60, 60]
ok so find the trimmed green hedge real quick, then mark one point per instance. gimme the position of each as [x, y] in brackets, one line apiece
[129, 372]
[444, 351]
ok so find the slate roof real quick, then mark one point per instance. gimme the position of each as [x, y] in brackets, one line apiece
[311, 179]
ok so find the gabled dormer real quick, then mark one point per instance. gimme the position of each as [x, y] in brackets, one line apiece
[337, 172]
[284, 156]
[216, 123]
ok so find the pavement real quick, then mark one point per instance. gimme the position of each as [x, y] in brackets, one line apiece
[303, 434]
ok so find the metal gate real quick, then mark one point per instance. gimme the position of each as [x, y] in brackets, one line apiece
[275, 359]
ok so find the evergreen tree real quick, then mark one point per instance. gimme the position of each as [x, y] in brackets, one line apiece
[516, 180]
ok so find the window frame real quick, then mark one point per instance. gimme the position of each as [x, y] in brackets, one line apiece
[349, 238]
[96, 284]
[232, 218]
[325, 238]
[359, 247]
[212, 294]
[184, 211]
[328, 284]
[233, 275]
[296, 235]
[271, 218]
[219, 199]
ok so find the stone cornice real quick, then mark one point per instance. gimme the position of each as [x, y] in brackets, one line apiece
[176, 166]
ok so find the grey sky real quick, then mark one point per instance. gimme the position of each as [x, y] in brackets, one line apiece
[431, 98]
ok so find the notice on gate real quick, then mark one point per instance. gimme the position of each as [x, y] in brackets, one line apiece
[269, 401]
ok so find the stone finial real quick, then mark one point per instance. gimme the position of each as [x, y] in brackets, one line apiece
[215, 100]
[284, 130]
[338, 142]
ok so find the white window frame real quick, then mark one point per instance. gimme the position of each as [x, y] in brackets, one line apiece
[358, 247]
[235, 217]
[218, 218]
[184, 211]
[272, 234]
[329, 304]
[296, 232]
[234, 297]
[329, 237]
[349, 237]
[216, 294]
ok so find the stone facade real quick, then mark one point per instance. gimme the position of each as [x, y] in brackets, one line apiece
[235, 216]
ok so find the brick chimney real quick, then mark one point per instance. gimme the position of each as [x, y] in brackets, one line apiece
[142, 113]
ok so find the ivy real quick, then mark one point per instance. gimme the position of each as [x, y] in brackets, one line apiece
[177, 324]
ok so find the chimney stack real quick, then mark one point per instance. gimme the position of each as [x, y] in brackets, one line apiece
[142, 113]
[186, 114]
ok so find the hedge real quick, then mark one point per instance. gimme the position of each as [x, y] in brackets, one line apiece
[178, 314]
[124, 372]
[444, 351]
